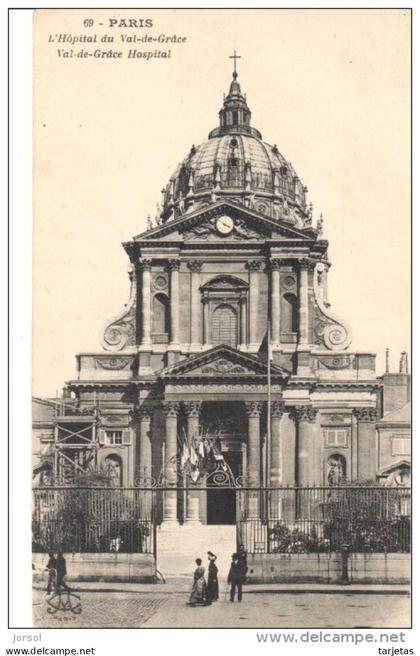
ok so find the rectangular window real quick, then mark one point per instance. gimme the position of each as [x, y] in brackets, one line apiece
[336, 437]
[400, 446]
[113, 437]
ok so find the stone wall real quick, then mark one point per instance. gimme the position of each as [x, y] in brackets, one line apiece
[327, 568]
[121, 567]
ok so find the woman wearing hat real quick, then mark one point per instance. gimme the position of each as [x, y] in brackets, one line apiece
[212, 581]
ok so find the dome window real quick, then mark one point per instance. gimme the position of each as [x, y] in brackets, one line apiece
[283, 171]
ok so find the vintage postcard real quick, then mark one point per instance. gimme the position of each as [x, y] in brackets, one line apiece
[221, 318]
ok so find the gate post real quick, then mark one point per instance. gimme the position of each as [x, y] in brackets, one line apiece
[345, 553]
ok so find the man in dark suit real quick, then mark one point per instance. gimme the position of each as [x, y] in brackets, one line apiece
[235, 578]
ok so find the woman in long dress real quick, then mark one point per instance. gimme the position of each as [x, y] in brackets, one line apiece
[212, 581]
[199, 588]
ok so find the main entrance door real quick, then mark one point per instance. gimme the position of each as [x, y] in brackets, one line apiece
[221, 501]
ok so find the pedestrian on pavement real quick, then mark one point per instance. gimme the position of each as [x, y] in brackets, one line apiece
[61, 572]
[52, 572]
[242, 558]
[235, 577]
[212, 580]
[199, 588]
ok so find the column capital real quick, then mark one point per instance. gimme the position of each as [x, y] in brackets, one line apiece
[195, 266]
[242, 297]
[173, 265]
[275, 263]
[170, 408]
[145, 264]
[306, 263]
[254, 408]
[142, 412]
[277, 409]
[254, 265]
[192, 408]
[305, 413]
[366, 415]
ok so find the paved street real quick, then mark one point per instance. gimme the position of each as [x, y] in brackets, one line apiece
[282, 610]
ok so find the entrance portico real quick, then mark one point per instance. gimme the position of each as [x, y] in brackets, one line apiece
[217, 398]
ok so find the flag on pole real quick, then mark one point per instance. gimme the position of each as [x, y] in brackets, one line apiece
[265, 351]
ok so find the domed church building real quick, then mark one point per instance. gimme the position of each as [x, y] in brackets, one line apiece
[227, 361]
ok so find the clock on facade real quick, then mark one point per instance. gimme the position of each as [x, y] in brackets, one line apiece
[224, 225]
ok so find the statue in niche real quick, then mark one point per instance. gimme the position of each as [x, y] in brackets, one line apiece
[336, 469]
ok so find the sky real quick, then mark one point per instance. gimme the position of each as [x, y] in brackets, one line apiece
[330, 87]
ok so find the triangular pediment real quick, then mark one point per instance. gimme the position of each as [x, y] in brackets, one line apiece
[394, 466]
[225, 221]
[221, 362]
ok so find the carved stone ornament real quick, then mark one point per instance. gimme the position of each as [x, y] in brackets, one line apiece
[204, 231]
[173, 265]
[195, 266]
[277, 409]
[170, 408]
[330, 332]
[223, 366]
[160, 282]
[112, 420]
[145, 264]
[366, 414]
[305, 413]
[288, 282]
[336, 419]
[254, 408]
[121, 331]
[342, 362]
[144, 412]
[113, 363]
[254, 265]
[192, 408]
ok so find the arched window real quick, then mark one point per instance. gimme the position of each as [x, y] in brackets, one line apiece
[114, 469]
[160, 314]
[289, 314]
[224, 326]
[336, 469]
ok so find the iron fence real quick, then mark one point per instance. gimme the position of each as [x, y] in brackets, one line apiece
[324, 519]
[93, 520]
[269, 520]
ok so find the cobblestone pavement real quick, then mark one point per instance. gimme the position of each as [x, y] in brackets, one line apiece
[257, 610]
[99, 609]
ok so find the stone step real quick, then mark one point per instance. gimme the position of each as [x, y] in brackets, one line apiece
[179, 546]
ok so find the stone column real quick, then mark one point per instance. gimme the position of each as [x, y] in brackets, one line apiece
[145, 266]
[192, 410]
[171, 410]
[242, 311]
[206, 320]
[305, 416]
[276, 464]
[366, 442]
[254, 267]
[275, 300]
[144, 469]
[254, 409]
[303, 303]
[173, 266]
[195, 268]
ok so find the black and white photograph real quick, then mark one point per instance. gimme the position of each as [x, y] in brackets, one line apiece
[221, 345]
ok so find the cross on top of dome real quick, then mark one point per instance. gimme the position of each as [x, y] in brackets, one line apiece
[235, 57]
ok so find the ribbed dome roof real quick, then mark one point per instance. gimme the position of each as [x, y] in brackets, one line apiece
[237, 165]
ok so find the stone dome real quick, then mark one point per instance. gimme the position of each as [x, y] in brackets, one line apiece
[236, 164]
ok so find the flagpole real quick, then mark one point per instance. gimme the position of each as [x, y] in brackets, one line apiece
[268, 442]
